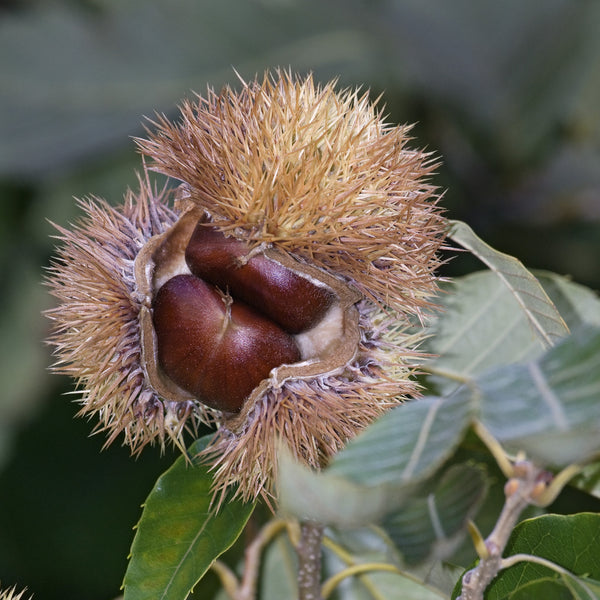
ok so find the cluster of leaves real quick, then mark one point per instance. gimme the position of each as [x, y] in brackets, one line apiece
[518, 358]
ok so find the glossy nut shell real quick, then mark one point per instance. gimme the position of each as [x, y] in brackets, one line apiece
[292, 301]
[215, 348]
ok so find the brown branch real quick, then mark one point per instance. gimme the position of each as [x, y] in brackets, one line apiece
[525, 486]
[246, 588]
[309, 561]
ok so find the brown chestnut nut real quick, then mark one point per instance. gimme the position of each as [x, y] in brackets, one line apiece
[217, 349]
[293, 302]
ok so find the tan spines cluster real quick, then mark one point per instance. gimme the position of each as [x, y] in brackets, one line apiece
[95, 330]
[316, 173]
[315, 418]
[12, 594]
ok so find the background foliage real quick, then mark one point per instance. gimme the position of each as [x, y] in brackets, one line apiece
[507, 92]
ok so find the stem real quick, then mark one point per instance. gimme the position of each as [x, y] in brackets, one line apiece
[309, 561]
[247, 589]
[538, 560]
[228, 579]
[446, 374]
[495, 448]
[340, 551]
[363, 575]
[336, 579]
[519, 490]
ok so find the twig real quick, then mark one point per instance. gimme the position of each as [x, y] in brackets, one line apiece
[359, 569]
[527, 484]
[228, 579]
[518, 492]
[246, 589]
[309, 561]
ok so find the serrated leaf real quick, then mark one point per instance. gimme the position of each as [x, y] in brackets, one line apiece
[548, 407]
[381, 467]
[572, 542]
[179, 535]
[432, 525]
[481, 325]
[533, 302]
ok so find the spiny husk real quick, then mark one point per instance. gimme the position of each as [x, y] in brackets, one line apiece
[95, 331]
[292, 168]
[314, 172]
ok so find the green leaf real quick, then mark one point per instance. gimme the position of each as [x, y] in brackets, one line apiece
[548, 407]
[532, 300]
[480, 326]
[492, 318]
[279, 570]
[408, 443]
[577, 304]
[179, 534]
[572, 542]
[380, 468]
[432, 524]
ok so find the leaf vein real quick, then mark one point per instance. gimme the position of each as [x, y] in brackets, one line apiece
[474, 318]
[421, 440]
[556, 410]
[434, 516]
[491, 348]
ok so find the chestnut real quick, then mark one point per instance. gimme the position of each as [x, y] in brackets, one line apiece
[215, 348]
[292, 301]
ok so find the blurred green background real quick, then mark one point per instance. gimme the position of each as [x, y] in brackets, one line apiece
[508, 93]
